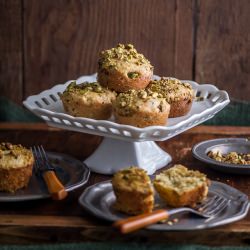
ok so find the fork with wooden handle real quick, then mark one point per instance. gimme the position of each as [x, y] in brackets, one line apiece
[55, 187]
[210, 208]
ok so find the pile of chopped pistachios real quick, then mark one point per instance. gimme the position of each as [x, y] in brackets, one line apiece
[231, 157]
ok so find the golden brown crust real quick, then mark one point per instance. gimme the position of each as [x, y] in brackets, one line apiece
[180, 108]
[143, 119]
[16, 164]
[122, 68]
[133, 191]
[16, 178]
[179, 186]
[88, 100]
[139, 109]
[178, 94]
[120, 82]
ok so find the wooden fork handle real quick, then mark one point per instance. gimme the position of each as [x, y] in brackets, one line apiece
[55, 187]
[139, 221]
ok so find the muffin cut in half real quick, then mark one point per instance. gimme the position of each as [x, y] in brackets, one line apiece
[122, 68]
[140, 109]
[89, 100]
[179, 95]
[133, 190]
[179, 186]
[16, 164]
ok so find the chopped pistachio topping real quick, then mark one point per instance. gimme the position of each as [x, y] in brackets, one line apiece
[7, 148]
[84, 87]
[133, 75]
[126, 53]
[231, 157]
[171, 89]
[130, 101]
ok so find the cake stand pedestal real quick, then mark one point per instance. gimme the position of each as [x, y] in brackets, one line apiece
[114, 154]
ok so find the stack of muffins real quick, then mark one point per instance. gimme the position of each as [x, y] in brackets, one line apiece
[126, 89]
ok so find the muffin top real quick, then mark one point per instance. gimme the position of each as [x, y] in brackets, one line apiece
[87, 91]
[132, 101]
[85, 88]
[180, 179]
[171, 89]
[124, 58]
[132, 179]
[14, 156]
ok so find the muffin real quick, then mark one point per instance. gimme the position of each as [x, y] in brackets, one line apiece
[122, 68]
[88, 100]
[133, 191]
[16, 164]
[179, 95]
[179, 186]
[140, 109]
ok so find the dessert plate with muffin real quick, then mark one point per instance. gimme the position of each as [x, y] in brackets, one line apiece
[132, 199]
[20, 181]
[130, 107]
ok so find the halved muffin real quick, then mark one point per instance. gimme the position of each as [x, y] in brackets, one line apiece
[88, 100]
[133, 190]
[179, 186]
[122, 68]
[16, 164]
[179, 95]
[140, 109]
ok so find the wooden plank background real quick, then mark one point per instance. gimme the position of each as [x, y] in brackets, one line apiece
[43, 43]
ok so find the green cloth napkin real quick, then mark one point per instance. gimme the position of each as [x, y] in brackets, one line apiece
[117, 246]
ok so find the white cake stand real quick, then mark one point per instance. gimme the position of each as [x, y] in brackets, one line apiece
[125, 145]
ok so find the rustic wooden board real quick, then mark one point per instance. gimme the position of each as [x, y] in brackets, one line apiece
[11, 50]
[223, 45]
[63, 38]
[48, 221]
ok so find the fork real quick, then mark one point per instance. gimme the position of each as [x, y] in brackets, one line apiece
[43, 166]
[209, 209]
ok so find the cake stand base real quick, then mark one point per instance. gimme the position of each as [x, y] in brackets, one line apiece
[113, 155]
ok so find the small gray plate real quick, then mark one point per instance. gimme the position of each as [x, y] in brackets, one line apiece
[99, 199]
[224, 145]
[70, 171]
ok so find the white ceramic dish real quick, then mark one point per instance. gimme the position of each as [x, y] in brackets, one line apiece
[135, 145]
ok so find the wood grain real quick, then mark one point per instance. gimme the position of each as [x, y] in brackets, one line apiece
[184, 39]
[223, 45]
[11, 50]
[63, 38]
[66, 221]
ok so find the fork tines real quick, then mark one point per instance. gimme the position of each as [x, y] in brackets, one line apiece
[41, 158]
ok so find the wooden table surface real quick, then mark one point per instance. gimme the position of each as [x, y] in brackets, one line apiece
[51, 221]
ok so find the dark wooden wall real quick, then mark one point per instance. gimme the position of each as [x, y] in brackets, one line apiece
[45, 42]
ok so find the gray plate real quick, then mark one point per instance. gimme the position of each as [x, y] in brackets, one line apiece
[70, 171]
[99, 199]
[225, 145]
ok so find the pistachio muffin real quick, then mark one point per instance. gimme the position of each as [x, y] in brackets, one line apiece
[179, 95]
[16, 164]
[140, 109]
[88, 100]
[133, 190]
[179, 186]
[122, 68]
